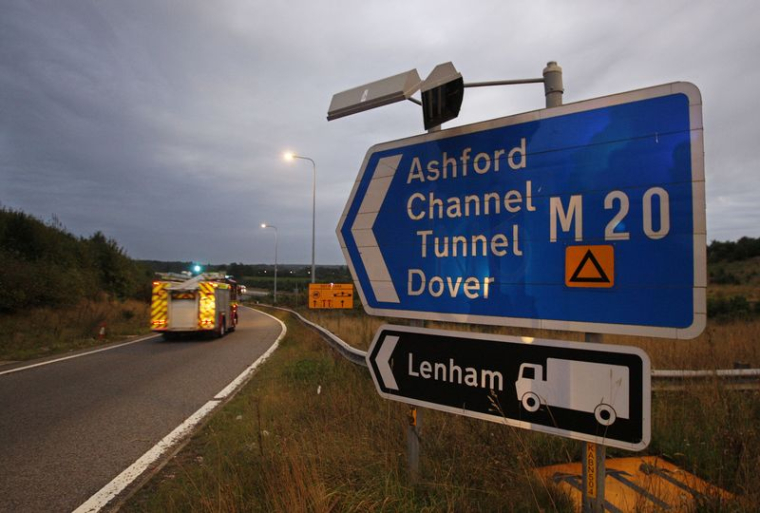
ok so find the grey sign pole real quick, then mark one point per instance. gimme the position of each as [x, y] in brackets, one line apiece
[553, 88]
[413, 432]
[593, 464]
[414, 429]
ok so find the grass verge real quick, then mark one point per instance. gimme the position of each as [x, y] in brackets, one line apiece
[41, 332]
[310, 433]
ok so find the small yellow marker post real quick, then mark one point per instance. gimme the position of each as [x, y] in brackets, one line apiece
[594, 473]
[594, 470]
[591, 468]
[591, 491]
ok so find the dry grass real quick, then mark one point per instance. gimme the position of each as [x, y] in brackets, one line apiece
[47, 331]
[712, 431]
[310, 433]
[749, 291]
[707, 428]
[718, 347]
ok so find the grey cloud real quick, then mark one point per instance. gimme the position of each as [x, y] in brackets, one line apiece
[163, 123]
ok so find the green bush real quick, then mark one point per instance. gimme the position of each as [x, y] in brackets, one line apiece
[43, 265]
[731, 308]
[722, 277]
[743, 249]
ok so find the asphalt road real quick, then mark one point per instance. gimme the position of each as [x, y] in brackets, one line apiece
[68, 428]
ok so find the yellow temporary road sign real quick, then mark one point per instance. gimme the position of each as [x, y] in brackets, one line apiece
[590, 266]
[638, 484]
[331, 295]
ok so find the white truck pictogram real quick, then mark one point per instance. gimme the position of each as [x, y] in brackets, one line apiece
[597, 388]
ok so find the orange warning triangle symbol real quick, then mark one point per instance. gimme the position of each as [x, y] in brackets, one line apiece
[585, 274]
[590, 266]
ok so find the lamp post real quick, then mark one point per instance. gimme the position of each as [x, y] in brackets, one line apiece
[291, 156]
[264, 225]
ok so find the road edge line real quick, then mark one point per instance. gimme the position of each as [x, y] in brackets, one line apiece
[64, 358]
[110, 491]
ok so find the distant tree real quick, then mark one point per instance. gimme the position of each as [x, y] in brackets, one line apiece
[116, 271]
[43, 265]
[743, 249]
[731, 308]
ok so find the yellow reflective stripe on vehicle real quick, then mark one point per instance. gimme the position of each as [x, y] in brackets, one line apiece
[159, 303]
[207, 305]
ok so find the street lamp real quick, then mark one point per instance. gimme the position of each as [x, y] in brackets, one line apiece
[264, 225]
[291, 156]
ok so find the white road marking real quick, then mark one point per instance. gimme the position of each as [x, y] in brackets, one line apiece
[237, 382]
[48, 362]
[106, 494]
[120, 482]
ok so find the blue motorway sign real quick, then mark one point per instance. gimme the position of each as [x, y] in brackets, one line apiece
[585, 217]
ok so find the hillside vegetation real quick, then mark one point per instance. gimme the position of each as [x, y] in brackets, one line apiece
[42, 265]
[743, 249]
[734, 279]
[290, 277]
[59, 292]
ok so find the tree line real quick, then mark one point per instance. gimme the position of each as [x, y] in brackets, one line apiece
[41, 264]
[260, 275]
[743, 249]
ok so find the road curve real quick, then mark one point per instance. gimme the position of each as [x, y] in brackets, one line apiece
[68, 428]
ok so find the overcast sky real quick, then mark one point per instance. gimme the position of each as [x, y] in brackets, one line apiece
[163, 124]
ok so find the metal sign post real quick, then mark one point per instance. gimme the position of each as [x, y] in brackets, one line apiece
[414, 429]
[593, 467]
[594, 475]
[413, 442]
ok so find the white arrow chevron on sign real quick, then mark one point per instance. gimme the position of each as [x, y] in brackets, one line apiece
[372, 258]
[383, 362]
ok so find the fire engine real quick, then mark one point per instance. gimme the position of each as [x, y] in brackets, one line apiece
[207, 303]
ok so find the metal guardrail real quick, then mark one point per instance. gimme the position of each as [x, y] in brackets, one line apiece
[732, 379]
[663, 380]
[706, 374]
[350, 353]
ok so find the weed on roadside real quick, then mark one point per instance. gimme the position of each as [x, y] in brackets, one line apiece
[310, 433]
